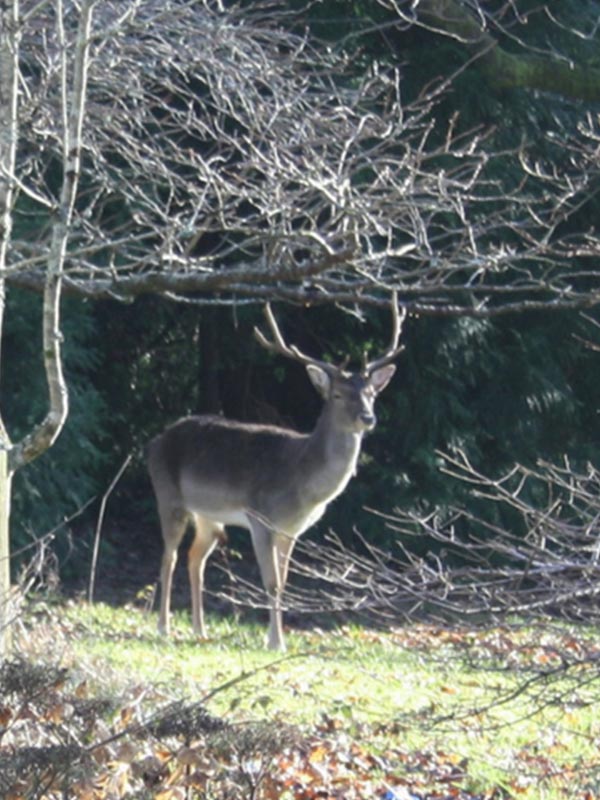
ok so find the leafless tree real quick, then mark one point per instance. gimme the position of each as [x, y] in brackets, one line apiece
[540, 560]
[14, 185]
[229, 155]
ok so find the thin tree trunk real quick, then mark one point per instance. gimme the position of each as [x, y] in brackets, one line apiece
[9, 50]
[5, 605]
[15, 455]
[46, 433]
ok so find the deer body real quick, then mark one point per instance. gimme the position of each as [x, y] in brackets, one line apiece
[204, 454]
[273, 481]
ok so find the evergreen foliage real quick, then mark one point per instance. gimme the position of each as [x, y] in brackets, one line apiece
[67, 476]
[503, 390]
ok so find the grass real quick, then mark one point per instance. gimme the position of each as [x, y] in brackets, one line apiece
[503, 712]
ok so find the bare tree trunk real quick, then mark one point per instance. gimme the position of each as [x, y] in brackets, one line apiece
[9, 21]
[5, 613]
[15, 455]
[73, 104]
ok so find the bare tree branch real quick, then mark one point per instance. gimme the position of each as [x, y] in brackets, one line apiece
[247, 159]
[471, 24]
[73, 112]
[547, 566]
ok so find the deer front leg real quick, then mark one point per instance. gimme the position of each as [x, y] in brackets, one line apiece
[285, 545]
[206, 537]
[268, 561]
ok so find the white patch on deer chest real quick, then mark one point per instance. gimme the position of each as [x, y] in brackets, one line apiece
[332, 478]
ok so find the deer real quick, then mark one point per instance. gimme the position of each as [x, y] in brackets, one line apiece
[273, 481]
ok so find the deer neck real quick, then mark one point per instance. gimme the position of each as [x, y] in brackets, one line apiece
[329, 458]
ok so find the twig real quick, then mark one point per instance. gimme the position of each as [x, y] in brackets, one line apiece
[92, 581]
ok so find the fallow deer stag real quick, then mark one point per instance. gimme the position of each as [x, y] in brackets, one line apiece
[273, 481]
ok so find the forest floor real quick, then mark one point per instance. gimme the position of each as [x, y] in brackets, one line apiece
[97, 706]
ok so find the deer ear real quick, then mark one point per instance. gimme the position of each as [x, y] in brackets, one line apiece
[320, 379]
[381, 377]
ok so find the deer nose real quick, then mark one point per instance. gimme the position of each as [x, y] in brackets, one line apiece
[368, 419]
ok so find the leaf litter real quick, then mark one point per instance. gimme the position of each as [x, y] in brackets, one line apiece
[59, 738]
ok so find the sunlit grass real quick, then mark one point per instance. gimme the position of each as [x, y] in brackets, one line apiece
[466, 702]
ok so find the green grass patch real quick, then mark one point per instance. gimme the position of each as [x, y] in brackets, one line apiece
[419, 711]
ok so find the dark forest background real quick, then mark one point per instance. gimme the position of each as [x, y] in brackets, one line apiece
[506, 388]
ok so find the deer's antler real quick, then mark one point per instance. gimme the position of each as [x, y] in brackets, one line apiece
[278, 345]
[394, 349]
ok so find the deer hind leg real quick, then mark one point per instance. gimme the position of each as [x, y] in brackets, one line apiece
[206, 537]
[272, 553]
[173, 524]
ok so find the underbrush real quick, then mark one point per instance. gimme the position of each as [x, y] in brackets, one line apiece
[96, 706]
